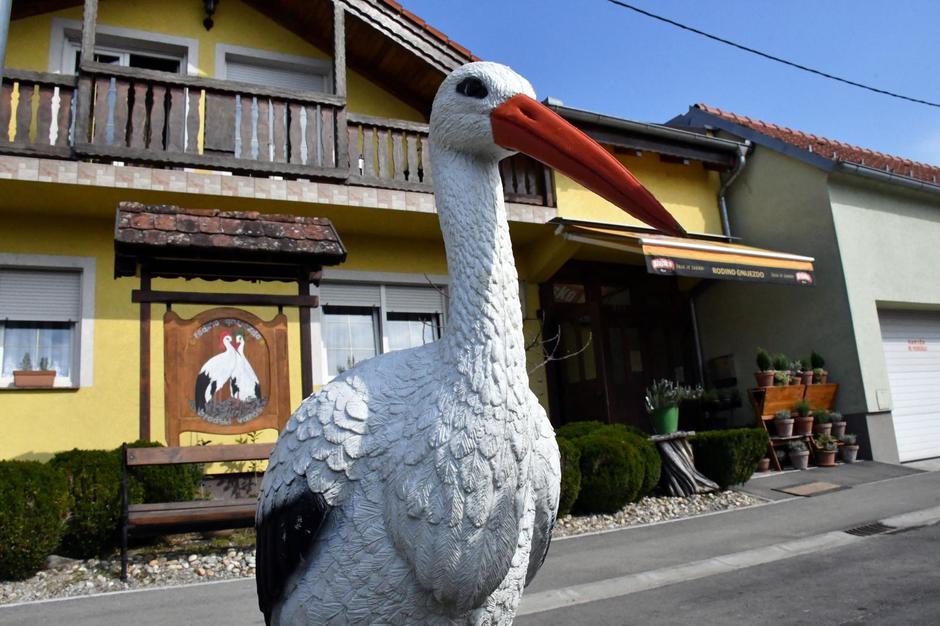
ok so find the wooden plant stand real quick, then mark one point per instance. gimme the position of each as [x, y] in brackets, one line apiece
[768, 400]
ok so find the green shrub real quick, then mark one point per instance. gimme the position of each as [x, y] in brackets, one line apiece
[576, 430]
[646, 449]
[94, 485]
[33, 508]
[162, 483]
[729, 457]
[611, 473]
[570, 475]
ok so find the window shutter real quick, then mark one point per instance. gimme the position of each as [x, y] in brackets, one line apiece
[40, 295]
[273, 74]
[414, 300]
[340, 294]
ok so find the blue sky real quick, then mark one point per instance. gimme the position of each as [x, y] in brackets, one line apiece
[596, 56]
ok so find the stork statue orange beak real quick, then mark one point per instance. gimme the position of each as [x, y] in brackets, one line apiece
[523, 124]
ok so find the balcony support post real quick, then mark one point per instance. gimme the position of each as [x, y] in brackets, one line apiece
[5, 7]
[84, 95]
[339, 82]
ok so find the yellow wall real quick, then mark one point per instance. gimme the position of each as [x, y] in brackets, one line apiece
[689, 192]
[235, 24]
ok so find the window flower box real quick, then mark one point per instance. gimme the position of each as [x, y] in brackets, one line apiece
[33, 379]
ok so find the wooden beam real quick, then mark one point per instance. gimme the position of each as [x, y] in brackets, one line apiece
[244, 299]
[306, 340]
[144, 359]
[341, 137]
[89, 19]
[198, 454]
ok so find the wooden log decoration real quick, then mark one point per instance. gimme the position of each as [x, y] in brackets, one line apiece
[679, 477]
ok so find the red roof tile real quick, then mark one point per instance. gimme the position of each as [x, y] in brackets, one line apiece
[414, 19]
[832, 149]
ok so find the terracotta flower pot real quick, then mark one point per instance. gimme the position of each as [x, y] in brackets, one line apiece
[764, 379]
[803, 425]
[33, 379]
[838, 429]
[763, 465]
[823, 378]
[784, 428]
[807, 377]
[822, 429]
[799, 460]
[796, 380]
[825, 458]
[849, 453]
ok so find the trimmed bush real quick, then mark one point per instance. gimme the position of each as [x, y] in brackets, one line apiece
[576, 430]
[611, 473]
[94, 486]
[162, 483]
[729, 457]
[33, 507]
[570, 475]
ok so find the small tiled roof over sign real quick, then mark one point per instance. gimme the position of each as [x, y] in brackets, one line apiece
[831, 149]
[170, 232]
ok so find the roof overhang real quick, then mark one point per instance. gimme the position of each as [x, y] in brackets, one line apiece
[695, 257]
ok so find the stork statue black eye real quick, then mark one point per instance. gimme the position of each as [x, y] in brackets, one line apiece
[472, 87]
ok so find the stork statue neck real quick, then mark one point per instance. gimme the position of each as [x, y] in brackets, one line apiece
[484, 307]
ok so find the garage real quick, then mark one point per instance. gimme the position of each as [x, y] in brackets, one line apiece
[912, 353]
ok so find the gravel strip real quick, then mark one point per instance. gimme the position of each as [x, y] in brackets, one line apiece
[175, 565]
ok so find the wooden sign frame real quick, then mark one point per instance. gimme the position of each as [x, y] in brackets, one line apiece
[187, 342]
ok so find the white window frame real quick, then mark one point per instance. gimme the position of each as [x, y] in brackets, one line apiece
[83, 339]
[382, 280]
[323, 67]
[66, 39]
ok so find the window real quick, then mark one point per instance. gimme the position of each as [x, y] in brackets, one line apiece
[358, 321]
[124, 58]
[260, 67]
[41, 317]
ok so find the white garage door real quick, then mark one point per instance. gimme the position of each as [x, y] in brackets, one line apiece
[912, 351]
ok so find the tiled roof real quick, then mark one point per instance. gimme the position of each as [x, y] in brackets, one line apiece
[831, 149]
[394, 6]
[168, 227]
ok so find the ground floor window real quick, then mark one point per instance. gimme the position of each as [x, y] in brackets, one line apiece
[38, 346]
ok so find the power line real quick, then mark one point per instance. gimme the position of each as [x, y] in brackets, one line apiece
[771, 57]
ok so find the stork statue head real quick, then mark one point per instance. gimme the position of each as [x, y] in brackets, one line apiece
[487, 111]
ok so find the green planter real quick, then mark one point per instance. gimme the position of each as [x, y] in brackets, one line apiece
[665, 420]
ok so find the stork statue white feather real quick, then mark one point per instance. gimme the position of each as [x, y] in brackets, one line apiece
[421, 486]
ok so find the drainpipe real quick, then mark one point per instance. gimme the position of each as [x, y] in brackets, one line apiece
[5, 7]
[722, 203]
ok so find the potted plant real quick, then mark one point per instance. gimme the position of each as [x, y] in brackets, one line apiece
[823, 425]
[28, 378]
[662, 403]
[826, 448]
[781, 378]
[849, 447]
[765, 369]
[763, 465]
[796, 377]
[838, 424]
[781, 363]
[806, 372]
[799, 455]
[820, 375]
[803, 424]
[783, 423]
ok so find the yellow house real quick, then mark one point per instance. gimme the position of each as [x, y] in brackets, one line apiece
[313, 109]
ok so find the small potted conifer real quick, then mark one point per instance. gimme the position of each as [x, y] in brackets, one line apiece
[28, 378]
[799, 455]
[826, 448]
[838, 424]
[783, 423]
[820, 375]
[781, 370]
[849, 448]
[803, 424]
[806, 371]
[823, 424]
[765, 369]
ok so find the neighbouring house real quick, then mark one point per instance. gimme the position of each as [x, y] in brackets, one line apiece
[872, 221]
[313, 109]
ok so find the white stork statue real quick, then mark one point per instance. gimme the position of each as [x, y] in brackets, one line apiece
[214, 373]
[244, 383]
[421, 486]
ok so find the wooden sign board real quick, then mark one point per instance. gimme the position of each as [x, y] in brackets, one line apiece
[226, 373]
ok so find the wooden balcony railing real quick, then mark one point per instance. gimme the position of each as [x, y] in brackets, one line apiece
[143, 116]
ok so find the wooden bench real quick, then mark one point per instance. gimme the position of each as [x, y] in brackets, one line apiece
[197, 515]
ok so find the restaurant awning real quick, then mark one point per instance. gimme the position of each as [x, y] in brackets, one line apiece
[700, 258]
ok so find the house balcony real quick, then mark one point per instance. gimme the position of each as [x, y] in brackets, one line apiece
[109, 113]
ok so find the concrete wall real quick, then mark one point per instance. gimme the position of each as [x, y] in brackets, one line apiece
[889, 243]
[781, 203]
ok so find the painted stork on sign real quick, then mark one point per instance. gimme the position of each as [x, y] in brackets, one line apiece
[244, 383]
[215, 373]
[421, 486]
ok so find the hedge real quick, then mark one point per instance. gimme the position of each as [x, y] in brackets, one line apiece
[33, 508]
[729, 457]
[612, 472]
[570, 475]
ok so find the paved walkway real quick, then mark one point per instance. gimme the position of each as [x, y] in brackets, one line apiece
[588, 568]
